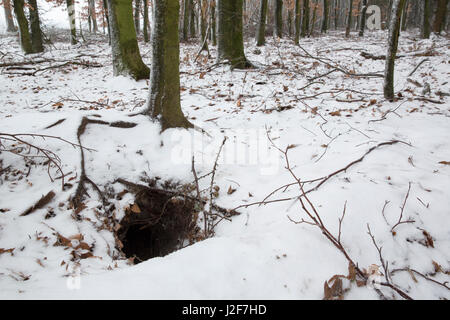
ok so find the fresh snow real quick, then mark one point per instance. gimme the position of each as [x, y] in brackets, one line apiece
[260, 254]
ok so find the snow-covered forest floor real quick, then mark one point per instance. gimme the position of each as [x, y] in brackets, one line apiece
[400, 190]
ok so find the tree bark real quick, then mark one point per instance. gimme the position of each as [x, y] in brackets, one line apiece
[36, 33]
[405, 15]
[93, 15]
[137, 16]
[192, 27]
[10, 27]
[164, 101]
[73, 30]
[324, 27]
[439, 19]
[305, 18]
[394, 31]
[213, 23]
[426, 30]
[349, 18]
[146, 22]
[261, 31]
[362, 23]
[127, 59]
[297, 22]
[279, 18]
[204, 6]
[186, 17]
[230, 34]
[25, 39]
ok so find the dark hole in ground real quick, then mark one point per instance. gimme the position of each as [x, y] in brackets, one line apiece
[157, 224]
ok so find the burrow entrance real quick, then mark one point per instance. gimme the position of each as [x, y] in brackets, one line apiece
[158, 223]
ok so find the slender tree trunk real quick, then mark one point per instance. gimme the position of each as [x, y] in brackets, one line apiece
[336, 14]
[279, 18]
[439, 19]
[405, 15]
[164, 101]
[105, 8]
[192, 19]
[71, 12]
[324, 27]
[305, 19]
[137, 16]
[25, 39]
[230, 34]
[349, 18]
[204, 24]
[394, 31]
[213, 23]
[297, 22]
[36, 33]
[127, 59]
[362, 23]
[10, 27]
[93, 15]
[426, 30]
[186, 17]
[261, 32]
[314, 15]
[146, 22]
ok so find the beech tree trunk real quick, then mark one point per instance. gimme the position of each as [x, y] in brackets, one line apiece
[186, 17]
[36, 33]
[279, 18]
[305, 19]
[325, 17]
[204, 24]
[439, 19]
[213, 23]
[261, 31]
[230, 34]
[394, 31]
[71, 12]
[426, 30]
[349, 18]
[137, 15]
[93, 15]
[25, 38]
[362, 23]
[127, 59]
[297, 22]
[146, 22]
[164, 101]
[10, 27]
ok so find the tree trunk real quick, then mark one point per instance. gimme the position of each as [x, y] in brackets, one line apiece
[324, 27]
[362, 23]
[105, 8]
[127, 59]
[279, 18]
[231, 41]
[25, 39]
[204, 24]
[192, 18]
[36, 33]
[73, 30]
[426, 30]
[10, 27]
[137, 16]
[314, 15]
[439, 19]
[405, 15]
[93, 15]
[164, 101]
[349, 18]
[186, 16]
[213, 23]
[394, 31]
[336, 14]
[297, 22]
[146, 22]
[305, 19]
[261, 33]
